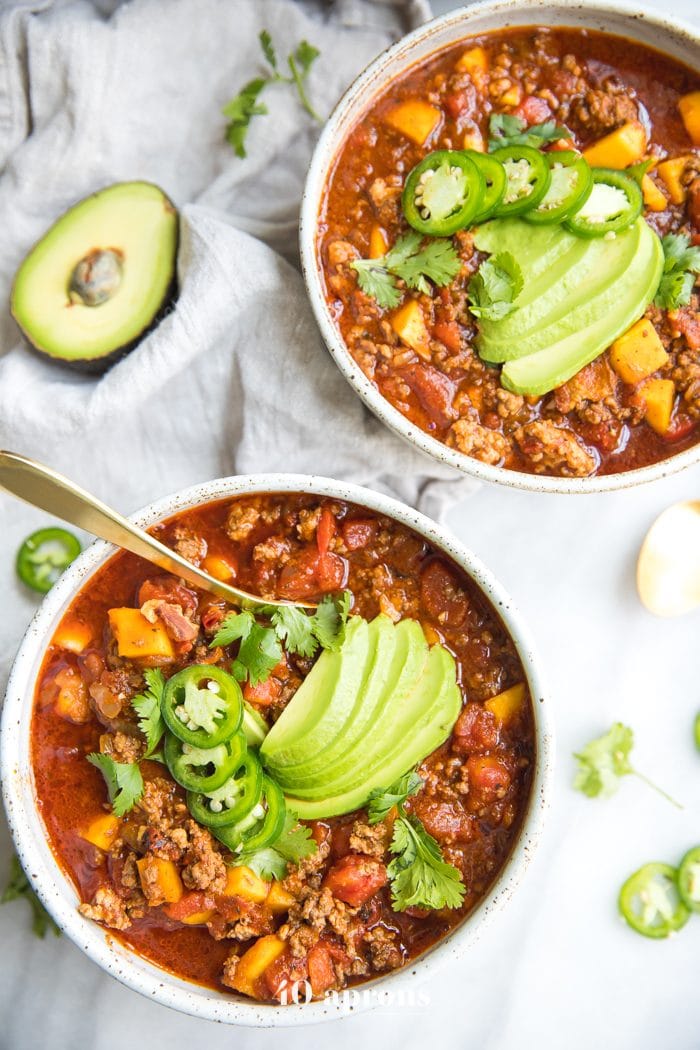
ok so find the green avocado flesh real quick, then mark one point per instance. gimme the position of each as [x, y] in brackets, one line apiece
[392, 701]
[579, 295]
[95, 282]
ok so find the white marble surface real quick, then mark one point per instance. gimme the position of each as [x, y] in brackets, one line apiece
[557, 968]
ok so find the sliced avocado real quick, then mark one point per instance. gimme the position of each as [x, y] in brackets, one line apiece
[425, 722]
[97, 280]
[579, 295]
[387, 689]
[254, 725]
[321, 704]
[629, 297]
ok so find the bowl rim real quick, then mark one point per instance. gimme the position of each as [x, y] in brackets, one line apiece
[55, 889]
[323, 159]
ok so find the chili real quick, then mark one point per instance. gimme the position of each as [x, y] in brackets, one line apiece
[650, 901]
[616, 213]
[203, 769]
[570, 186]
[443, 193]
[527, 179]
[44, 555]
[181, 695]
[235, 799]
[689, 879]
[494, 176]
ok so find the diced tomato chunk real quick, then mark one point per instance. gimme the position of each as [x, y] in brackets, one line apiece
[489, 779]
[442, 596]
[167, 589]
[533, 110]
[309, 573]
[456, 103]
[434, 391]
[449, 334]
[446, 821]
[189, 904]
[688, 324]
[325, 530]
[358, 532]
[283, 972]
[476, 729]
[681, 426]
[264, 692]
[561, 145]
[320, 966]
[694, 203]
[355, 878]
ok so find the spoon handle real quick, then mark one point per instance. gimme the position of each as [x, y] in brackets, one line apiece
[50, 491]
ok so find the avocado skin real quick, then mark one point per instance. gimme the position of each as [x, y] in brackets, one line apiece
[98, 364]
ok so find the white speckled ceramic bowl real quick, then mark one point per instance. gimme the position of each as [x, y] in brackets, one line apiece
[56, 890]
[614, 16]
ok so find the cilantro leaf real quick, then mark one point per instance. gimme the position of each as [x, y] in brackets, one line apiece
[268, 48]
[203, 706]
[639, 170]
[495, 287]
[681, 265]
[18, 887]
[300, 62]
[147, 707]
[413, 259]
[383, 800]
[233, 627]
[123, 779]
[305, 55]
[241, 110]
[295, 629]
[419, 875]
[505, 129]
[329, 620]
[259, 653]
[603, 761]
[294, 843]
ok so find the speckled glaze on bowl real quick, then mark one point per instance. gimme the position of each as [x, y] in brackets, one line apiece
[56, 891]
[642, 25]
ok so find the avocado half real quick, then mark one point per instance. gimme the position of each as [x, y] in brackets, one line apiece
[99, 278]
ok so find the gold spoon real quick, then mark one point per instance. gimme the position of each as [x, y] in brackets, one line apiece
[50, 491]
[668, 568]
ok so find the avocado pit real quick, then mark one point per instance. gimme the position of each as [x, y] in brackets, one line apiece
[97, 277]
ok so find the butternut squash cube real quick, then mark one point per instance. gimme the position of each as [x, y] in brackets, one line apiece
[474, 140]
[689, 107]
[415, 119]
[409, 324]
[73, 636]
[511, 97]
[198, 918]
[638, 353]
[475, 60]
[255, 961]
[278, 900]
[654, 197]
[620, 148]
[137, 637]
[103, 831]
[219, 568]
[378, 243]
[243, 882]
[166, 879]
[671, 172]
[508, 704]
[659, 396]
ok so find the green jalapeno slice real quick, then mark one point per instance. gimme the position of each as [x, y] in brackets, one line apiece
[202, 705]
[689, 879]
[443, 193]
[527, 179]
[203, 769]
[570, 184]
[44, 555]
[234, 800]
[614, 203]
[494, 175]
[650, 902]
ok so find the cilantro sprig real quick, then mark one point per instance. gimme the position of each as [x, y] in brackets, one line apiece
[418, 874]
[245, 105]
[260, 647]
[495, 287]
[148, 707]
[681, 266]
[415, 260]
[123, 779]
[505, 129]
[294, 843]
[18, 888]
[605, 760]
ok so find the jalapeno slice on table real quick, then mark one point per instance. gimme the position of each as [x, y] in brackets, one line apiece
[614, 203]
[650, 901]
[689, 879]
[494, 176]
[442, 193]
[696, 732]
[202, 705]
[234, 800]
[44, 555]
[571, 182]
[262, 826]
[203, 769]
[527, 179]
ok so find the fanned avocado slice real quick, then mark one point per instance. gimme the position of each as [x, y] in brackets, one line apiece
[540, 372]
[425, 722]
[365, 731]
[97, 280]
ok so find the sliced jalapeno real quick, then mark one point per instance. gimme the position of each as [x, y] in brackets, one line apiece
[570, 185]
[234, 800]
[442, 193]
[614, 203]
[202, 705]
[650, 902]
[527, 179]
[262, 826]
[689, 879]
[494, 176]
[44, 555]
[696, 731]
[203, 769]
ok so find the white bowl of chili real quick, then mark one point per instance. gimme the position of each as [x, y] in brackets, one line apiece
[600, 442]
[24, 783]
